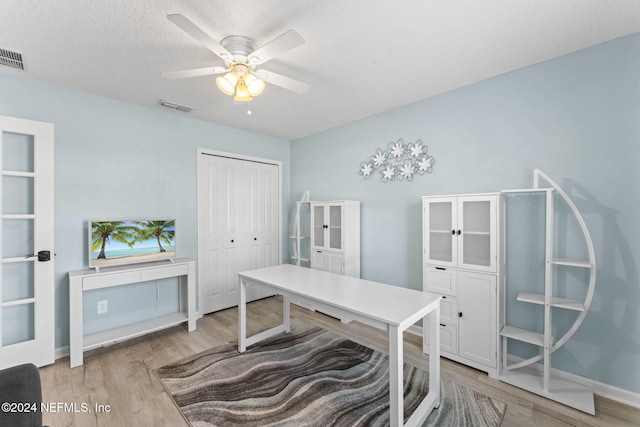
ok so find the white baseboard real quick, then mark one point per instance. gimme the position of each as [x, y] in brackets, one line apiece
[415, 330]
[62, 352]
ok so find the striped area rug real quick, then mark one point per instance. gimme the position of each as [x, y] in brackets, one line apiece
[310, 377]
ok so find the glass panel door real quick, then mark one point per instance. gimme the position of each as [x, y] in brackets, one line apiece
[318, 226]
[441, 230]
[26, 228]
[17, 291]
[477, 242]
[335, 227]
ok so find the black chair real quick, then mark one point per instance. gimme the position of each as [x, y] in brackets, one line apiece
[20, 396]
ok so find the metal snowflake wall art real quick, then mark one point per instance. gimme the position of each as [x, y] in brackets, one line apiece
[400, 162]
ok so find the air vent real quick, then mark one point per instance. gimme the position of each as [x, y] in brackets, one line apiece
[173, 106]
[11, 59]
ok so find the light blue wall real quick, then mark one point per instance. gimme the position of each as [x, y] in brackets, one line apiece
[114, 159]
[576, 117]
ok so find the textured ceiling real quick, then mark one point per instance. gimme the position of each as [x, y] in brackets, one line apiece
[361, 57]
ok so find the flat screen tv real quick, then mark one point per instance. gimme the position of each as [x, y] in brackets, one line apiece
[131, 241]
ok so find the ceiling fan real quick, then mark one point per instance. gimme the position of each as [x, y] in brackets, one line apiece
[241, 55]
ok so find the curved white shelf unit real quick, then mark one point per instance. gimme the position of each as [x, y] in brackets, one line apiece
[527, 374]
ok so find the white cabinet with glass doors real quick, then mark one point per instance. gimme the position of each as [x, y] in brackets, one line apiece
[335, 236]
[460, 231]
[461, 262]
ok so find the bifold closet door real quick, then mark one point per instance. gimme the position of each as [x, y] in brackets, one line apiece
[262, 216]
[238, 226]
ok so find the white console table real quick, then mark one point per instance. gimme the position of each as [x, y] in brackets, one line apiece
[87, 280]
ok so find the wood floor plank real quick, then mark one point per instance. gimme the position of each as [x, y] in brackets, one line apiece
[122, 377]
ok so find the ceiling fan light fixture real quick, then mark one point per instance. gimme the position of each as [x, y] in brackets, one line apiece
[227, 83]
[255, 85]
[242, 92]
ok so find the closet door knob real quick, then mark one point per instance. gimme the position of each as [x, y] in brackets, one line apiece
[459, 232]
[460, 314]
[453, 232]
[255, 238]
[231, 240]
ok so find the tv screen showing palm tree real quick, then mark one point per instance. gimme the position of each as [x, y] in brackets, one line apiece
[131, 241]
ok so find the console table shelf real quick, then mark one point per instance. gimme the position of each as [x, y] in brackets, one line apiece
[86, 280]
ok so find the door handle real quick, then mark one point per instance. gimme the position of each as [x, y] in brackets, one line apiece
[42, 256]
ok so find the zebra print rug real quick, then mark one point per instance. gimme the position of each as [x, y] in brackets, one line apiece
[310, 377]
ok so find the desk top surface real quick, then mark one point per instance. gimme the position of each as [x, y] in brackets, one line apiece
[390, 304]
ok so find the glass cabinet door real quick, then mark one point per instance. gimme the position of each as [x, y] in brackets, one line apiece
[335, 227]
[318, 226]
[476, 245]
[440, 231]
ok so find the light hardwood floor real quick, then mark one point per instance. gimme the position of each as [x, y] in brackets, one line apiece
[122, 377]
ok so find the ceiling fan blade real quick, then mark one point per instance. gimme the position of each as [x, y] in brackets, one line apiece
[283, 81]
[194, 31]
[195, 72]
[281, 44]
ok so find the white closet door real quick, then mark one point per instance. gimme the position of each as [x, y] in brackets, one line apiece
[221, 229]
[238, 226]
[262, 215]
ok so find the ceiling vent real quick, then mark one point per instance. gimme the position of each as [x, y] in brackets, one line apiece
[173, 106]
[11, 59]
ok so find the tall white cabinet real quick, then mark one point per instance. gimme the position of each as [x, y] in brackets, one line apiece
[461, 261]
[335, 236]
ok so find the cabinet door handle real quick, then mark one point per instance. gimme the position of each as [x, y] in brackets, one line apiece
[453, 232]
[440, 268]
[442, 324]
[444, 297]
[231, 240]
[459, 232]
[460, 314]
[255, 238]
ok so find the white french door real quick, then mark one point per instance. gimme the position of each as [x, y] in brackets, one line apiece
[26, 252]
[238, 225]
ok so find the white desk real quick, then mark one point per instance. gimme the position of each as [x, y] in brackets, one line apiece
[392, 307]
[86, 280]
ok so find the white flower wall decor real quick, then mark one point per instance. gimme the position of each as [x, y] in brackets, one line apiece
[400, 162]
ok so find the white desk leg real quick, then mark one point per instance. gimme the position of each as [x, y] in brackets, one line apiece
[396, 378]
[434, 353]
[286, 313]
[242, 317]
[75, 322]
